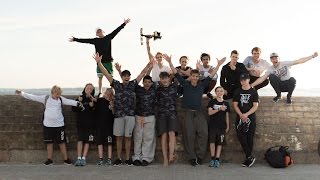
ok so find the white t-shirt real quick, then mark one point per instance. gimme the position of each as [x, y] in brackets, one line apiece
[282, 70]
[156, 71]
[204, 72]
[262, 65]
[53, 113]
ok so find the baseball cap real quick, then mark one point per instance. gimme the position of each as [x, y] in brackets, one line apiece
[273, 55]
[125, 72]
[244, 76]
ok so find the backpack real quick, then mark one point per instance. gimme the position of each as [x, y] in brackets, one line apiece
[278, 157]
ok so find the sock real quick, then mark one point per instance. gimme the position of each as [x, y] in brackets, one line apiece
[213, 158]
[84, 158]
[79, 157]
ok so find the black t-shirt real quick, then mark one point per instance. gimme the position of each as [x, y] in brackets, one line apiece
[218, 120]
[104, 113]
[245, 99]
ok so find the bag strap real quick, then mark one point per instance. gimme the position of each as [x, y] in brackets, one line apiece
[46, 99]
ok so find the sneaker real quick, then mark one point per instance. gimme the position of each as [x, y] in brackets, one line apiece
[217, 163]
[78, 162]
[193, 162]
[67, 162]
[83, 162]
[246, 163]
[100, 162]
[199, 161]
[212, 163]
[129, 162]
[137, 162]
[251, 161]
[48, 162]
[144, 163]
[117, 162]
[100, 95]
[108, 162]
[276, 99]
[289, 101]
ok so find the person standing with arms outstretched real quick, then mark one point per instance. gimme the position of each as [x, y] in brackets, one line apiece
[102, 44]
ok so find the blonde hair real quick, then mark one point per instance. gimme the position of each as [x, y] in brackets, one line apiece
[56, 89]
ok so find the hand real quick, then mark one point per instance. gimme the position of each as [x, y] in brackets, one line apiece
[227, 129]
[91, 104]
[80, 98]
[140, 120]
[97, 57]
[221, 61]
[126, 21]
[71, 39]
[315, 54]
[256, 71]
[118, 67]
[223, 108]
[198, 64]
[93, 99]
[18, 92]
[167, 58]
[244, 117]
[232, 67]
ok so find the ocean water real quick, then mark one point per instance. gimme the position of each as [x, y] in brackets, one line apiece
[315, 92]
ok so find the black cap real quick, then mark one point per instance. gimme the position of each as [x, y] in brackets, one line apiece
[125, 72]
[244, 76]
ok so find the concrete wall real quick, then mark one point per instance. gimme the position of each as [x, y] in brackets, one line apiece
[297, 126]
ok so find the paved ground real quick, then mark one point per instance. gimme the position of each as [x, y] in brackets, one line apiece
[157, 172]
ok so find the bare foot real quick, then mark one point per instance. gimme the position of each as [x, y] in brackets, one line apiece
[165, 162]
[172, 158]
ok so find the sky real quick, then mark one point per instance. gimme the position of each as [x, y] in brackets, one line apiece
[35, 51]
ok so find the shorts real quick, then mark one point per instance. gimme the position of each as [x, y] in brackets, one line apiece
[217, 136]
[104, 136]
[86, 135]
[166, 123]
[123, 126]
[108, 66]
[54, 134]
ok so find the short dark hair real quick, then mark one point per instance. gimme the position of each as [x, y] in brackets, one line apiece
[204, 55]
[194, 71]
[147, 77]
[125, 72]
[234, 52]
[186, 57]
[164, 74]
[215, 89]
[256, 49]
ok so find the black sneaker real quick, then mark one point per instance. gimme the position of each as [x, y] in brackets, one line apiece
[199, 161]
[193, 162]
[129, 162]
[48, 162]
[137, 163]
[289, 101]
[251, 161]
[117, 162]
[209, 95]
[144, 163]
[246, 163]
[67, 162]
[276, 99]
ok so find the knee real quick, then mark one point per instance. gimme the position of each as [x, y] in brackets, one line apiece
[292, 80]
[273, 77]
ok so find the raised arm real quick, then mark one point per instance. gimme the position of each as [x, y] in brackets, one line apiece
[151, 57]
[31, 97]
[69, 102]
[116, 31]
[219, 63]
[118, 68]
[89, 41]
[260, 80]
[98, 58]
[305, 59]
[168, 59]
[145, 70]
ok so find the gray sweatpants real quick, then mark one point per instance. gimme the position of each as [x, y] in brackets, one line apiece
[195, 134]
[144, 140]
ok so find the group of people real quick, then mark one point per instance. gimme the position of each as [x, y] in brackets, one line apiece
[145, 112]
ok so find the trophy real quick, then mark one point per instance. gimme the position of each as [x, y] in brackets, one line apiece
[156, 35]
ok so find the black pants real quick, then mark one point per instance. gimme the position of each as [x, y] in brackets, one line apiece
[259, 86]
[230, 89]
[246, 138]
[282, 86]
